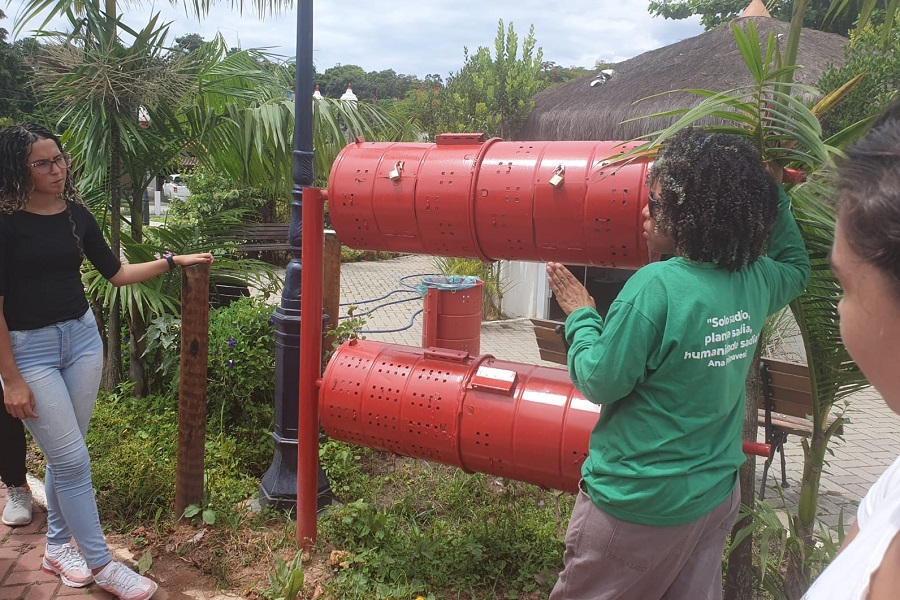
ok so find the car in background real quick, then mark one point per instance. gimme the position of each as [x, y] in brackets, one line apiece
[174, 187]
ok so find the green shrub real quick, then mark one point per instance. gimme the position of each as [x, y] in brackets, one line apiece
[211, 194]
[133, 445]
[882, 75]
[241, 374]
[241, 368]
[240, 393]
[349, 255]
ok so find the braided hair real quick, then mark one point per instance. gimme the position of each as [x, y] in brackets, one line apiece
[718, 202]
[15, 176]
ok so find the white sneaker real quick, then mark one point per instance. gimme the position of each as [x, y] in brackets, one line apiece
[18, 506]
[119, 580]
[67, 562]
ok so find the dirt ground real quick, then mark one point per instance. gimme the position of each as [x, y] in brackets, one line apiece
[198, 563]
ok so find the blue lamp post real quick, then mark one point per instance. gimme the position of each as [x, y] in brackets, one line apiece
[279, 484]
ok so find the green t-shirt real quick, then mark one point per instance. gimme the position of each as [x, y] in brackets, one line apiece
[668, 367]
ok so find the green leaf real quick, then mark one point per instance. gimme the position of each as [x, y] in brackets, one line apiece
[145, 562]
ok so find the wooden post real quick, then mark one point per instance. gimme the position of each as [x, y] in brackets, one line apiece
[331, 288]
[192, 387]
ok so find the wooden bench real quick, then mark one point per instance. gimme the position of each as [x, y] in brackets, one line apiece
[250, 239]
[261, 237]
[786, 394]
[550, 341]
[787, 409]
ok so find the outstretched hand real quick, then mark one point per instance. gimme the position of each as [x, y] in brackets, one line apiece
[186, 260]
[569, 292]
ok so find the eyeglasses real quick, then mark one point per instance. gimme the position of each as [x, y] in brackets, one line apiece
[43, 167]
[655, 206]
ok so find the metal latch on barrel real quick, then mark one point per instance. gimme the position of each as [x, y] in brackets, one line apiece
[494, 380]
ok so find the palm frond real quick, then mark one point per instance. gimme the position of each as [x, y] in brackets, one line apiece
[833, 374]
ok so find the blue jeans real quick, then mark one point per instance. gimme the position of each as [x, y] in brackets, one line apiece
[62, 364]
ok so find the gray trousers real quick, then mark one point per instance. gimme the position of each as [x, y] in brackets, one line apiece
[610, 559]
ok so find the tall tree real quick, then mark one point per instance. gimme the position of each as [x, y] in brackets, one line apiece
[492, 94]
[333, 82]
[190, 42]
[16, 94]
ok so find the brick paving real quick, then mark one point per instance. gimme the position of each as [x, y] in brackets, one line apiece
[21, 577]
[871, 440]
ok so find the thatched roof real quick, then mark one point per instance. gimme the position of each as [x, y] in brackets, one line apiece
[578, 111]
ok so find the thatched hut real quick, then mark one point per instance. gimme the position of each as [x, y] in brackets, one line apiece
[578, 110]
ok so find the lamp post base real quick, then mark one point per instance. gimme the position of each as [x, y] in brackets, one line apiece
[278, 487]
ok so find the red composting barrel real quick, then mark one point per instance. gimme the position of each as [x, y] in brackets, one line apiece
[478, 413]
[466, 197]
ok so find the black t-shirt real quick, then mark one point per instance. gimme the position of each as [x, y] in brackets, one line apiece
[40, 265]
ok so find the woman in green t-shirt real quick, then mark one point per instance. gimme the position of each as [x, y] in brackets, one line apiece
[659, 490]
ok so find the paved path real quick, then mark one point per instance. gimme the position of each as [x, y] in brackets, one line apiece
[872, 438]
[21, 549]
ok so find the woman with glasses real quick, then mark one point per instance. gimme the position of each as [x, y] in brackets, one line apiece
[659, 491]
[51, 354]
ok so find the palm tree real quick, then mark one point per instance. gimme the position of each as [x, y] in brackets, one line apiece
[31, 9]
[253, 146]
[100, 83]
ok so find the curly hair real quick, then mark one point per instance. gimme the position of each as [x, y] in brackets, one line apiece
[15, 176]
[718, 202]
[868, 194]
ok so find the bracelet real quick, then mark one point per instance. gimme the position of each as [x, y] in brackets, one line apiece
[169, 259]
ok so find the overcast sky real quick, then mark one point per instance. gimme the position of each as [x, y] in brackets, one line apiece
[428, 36]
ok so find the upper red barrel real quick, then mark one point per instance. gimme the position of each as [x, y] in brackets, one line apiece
[463, 196]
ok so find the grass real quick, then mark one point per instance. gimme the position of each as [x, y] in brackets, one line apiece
[405, 528]
[424, 528]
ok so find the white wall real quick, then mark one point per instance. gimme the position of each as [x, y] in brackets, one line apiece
[525, 289]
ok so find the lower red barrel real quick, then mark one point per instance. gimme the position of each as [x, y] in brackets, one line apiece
[480, 414]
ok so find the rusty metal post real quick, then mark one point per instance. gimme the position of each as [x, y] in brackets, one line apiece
[192, 386]
[310, 366]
